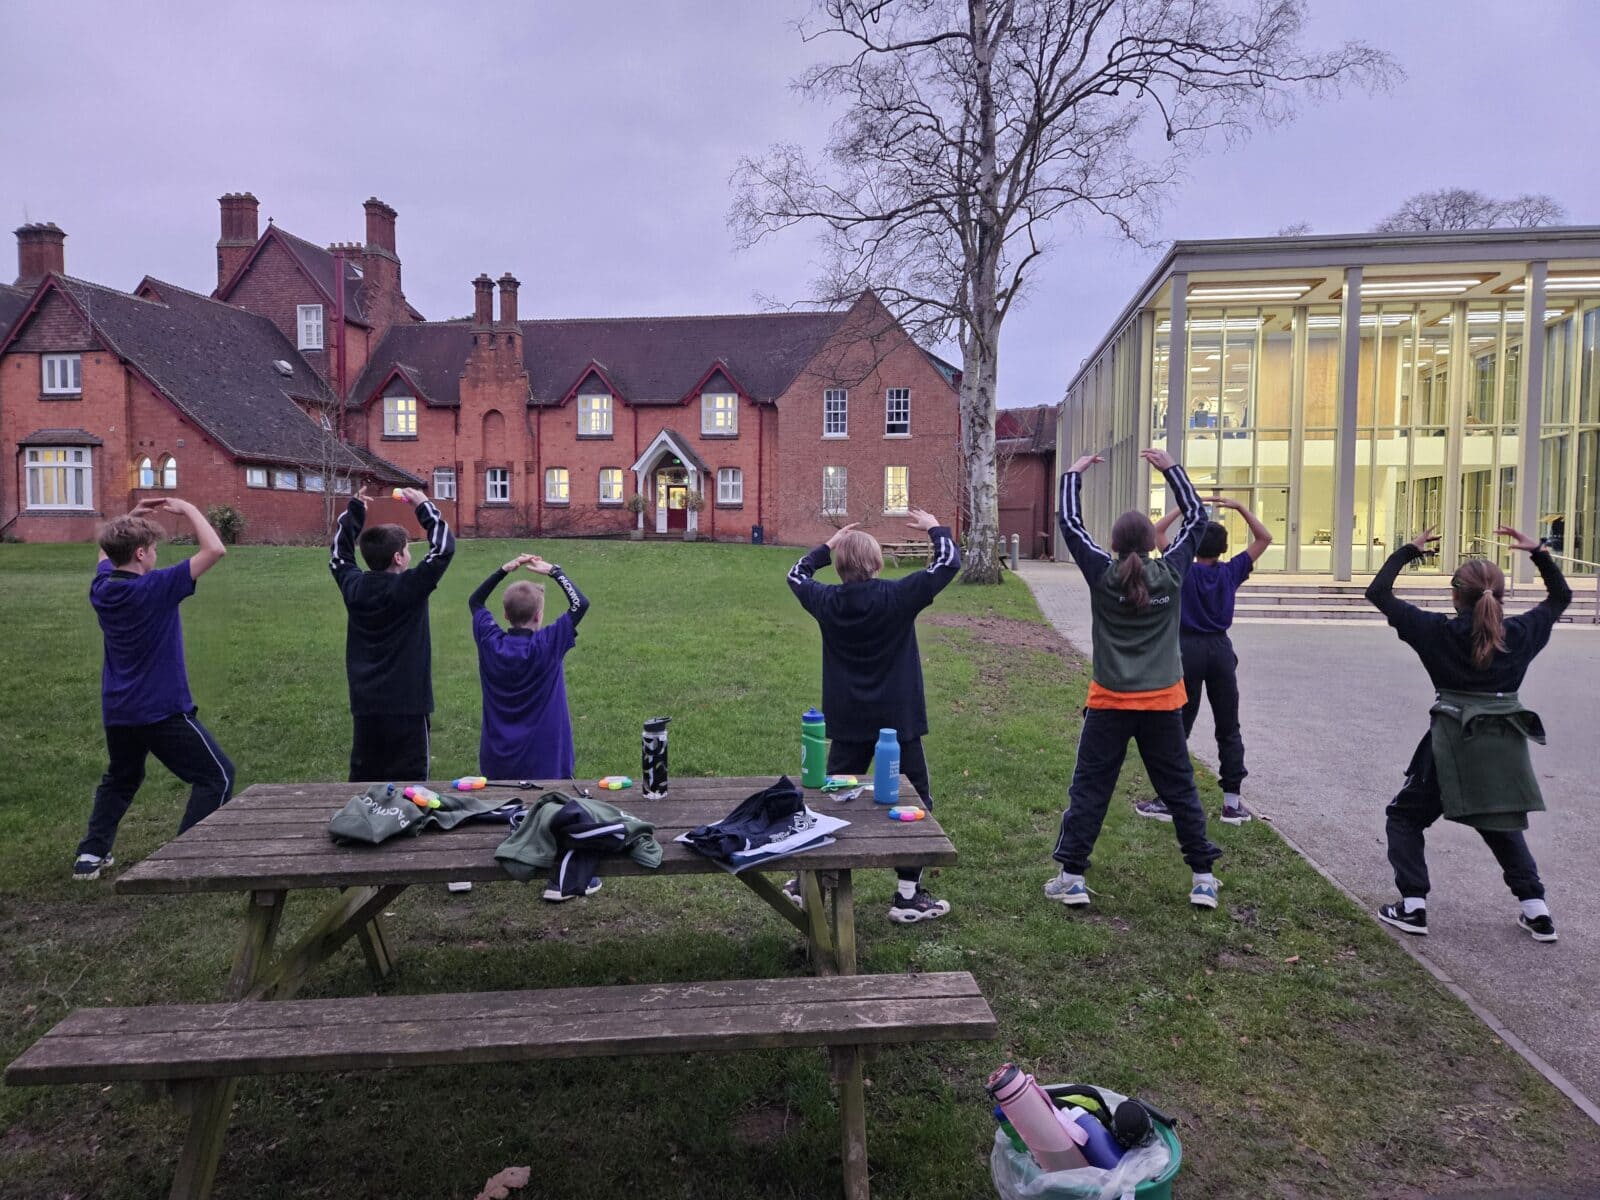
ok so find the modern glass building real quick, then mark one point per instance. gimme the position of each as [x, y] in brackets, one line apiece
[1354, 389]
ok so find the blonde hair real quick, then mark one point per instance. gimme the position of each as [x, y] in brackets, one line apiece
[857, 556]
[124, 537]
[524, 603]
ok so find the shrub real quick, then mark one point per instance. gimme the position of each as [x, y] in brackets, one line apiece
[228, 521]
[634, 504]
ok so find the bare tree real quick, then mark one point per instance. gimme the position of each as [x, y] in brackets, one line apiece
[970, 126]
[1296, 229]
[1465, 208]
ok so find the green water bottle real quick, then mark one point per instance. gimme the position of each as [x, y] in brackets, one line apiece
[813, 749]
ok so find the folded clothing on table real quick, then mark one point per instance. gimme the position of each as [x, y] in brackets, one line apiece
[773, 823]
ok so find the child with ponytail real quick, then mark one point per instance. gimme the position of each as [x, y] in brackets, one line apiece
[1137, 688]
[1476, 659]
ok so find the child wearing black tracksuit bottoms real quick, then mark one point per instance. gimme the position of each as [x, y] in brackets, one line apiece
[871, 668]
[1137, 688]
[388, 650]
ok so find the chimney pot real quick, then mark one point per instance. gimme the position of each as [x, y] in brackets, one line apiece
[508, 299]
[380, 225]
[483, 302]
[40, 251]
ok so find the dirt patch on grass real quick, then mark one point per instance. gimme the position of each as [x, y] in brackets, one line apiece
[764, 1125]
[1006, 632]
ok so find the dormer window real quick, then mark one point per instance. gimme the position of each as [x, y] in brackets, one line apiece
[308, 320]
[61, 374]
[594, 416]
[400, 416]
[719, 414]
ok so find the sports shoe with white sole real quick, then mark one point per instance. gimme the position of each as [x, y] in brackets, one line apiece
[1156, 810]
[1413, 922]
[1074, 893]
[88, 866]
[553, 894]
[791, 889]
[1540, 928]
[1237, 814]
[921, 907]
[1203, 895]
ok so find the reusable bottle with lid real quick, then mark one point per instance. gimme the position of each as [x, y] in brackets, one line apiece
[654, 755]
[886, 768]
[1033, 1116]
[813, 749]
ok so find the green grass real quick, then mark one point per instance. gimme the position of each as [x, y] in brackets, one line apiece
[1305, 1053]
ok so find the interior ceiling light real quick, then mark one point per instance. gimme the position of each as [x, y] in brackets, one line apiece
[1368, 320]
[1492, 317]
[1213, 325]
[1417, 287]
[1277, 289]
[1564, 283]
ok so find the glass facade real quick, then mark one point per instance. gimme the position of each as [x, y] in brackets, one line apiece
[1433, 431]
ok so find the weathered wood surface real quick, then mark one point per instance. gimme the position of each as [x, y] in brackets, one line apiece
[275, 837]
[217, 1041]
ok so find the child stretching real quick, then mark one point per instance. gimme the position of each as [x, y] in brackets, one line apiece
[144, 682]
[871, 670]
[1209, 662]
[527, 731]
[1476, 659]
[1137, 690]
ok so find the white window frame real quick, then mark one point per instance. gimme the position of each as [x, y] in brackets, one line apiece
[341, 485]
[256, 477]
[730, 485]
[497, 485]
[836, 413]
[308, 321]
[905, 491]
[557, 485]
[719, 414]
[897, 397]
[144, 473]
[73, 474]
[835, 490]
[444, 483]
[167, 472]
[314, 483]
[594, 416]
[400, 416]
[285, 481]
[611, 475]
[61, 374]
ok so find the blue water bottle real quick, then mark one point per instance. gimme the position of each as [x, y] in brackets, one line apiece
[886, 768]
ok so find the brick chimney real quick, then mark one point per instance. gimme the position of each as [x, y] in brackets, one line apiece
[380, 226]
[381, 296]
[508, 299]
[40, 251]
[241, 229]
[483, 302]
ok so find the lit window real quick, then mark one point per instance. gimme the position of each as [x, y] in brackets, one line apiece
[314, 483]
[611, 485]
[897, 412]
[896, 489]
[341, 485]
[257, 477]
[169, 472]
[730, 485]
[309, 322]
[144, 473]
[399, 416]
[594, 416]
[556, 485]
[61, 374]
[286, 481]
[835, 489]
[59, 477]
[498, 486]
[719, 413]
[835, 413]
[444, 483]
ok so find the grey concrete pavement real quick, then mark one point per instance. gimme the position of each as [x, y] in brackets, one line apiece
[1331, 713]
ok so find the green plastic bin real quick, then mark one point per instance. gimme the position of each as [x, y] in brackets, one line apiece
[1160, 1188]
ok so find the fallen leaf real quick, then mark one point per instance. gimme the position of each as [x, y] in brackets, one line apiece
[1293, 958]
[500, 1185]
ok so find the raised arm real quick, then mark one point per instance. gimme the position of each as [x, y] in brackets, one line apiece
[441, 542]
[806, 589]
[351, 521]
[577, 602]
[944, 562]
[481, 593]
[1162, 540]
[1406, 618]
[1180, 554]
[1541, 618]
[1091, 559]
[1260, 535]
[211, 549]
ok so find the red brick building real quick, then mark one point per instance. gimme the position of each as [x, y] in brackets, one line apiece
[308, 370]
[1025, 447]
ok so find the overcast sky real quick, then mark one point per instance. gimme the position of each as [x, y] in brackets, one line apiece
[586, 147]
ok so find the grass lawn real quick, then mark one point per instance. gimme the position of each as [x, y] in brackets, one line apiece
[1306, 1055]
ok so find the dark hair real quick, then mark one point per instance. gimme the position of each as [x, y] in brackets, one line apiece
[1214, 541]
[380, 543]
[124, 537]
[1479, 586]
[1133, 536]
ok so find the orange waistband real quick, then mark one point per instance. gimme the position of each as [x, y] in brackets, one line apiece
[1161, 700]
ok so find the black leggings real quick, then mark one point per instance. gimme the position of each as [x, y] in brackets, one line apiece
[853, 758]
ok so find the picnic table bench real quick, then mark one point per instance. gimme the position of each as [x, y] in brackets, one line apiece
[273, 839]
[895, 551]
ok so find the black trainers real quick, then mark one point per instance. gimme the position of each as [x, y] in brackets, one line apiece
[1540, 929]
[1415, 921]
[791, 889]
[921, 907]
[1156, 810]
[88, 866]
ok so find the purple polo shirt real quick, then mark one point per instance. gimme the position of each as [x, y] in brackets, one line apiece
[527, 731]
[144, 678]
[1208, 588]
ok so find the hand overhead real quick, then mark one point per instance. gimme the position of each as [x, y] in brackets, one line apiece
[840, 532]
[1519, 541]
[1084, 462]
[1157, 458]
[1422, 540]
[921, 519]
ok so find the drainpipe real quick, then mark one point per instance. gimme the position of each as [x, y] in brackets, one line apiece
[338, 340]
[761, 457]
[538, 475]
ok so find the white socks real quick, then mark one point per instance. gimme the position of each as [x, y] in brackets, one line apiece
[1205, 877]
[1533, 909]
[1069, 880]
[1231, 799]
[1412, 903]
[907, 889]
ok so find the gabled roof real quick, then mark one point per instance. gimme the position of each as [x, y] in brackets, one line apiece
[670, 442]
[216, 364]
[649, 360]
[1027, 430]
[12, 301]
[317, 263]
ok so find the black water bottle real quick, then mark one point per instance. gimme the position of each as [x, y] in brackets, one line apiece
[655, 758]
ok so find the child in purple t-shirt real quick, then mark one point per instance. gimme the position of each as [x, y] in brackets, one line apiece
[527, 731]
[144, 682]
[1205, 615]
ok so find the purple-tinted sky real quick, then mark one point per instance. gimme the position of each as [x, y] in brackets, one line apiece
[587, 147]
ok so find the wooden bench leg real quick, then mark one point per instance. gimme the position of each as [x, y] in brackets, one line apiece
[818, 935]
[844, 924]
[354, 912]
[377, 947]
[852, 1120]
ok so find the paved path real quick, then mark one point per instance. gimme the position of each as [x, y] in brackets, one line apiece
[1331, 713]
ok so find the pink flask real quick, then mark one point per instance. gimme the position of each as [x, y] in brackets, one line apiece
[1033, 1116]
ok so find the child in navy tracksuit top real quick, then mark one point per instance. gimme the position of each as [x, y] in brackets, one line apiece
[144, 683]
[871, 670]
[527, 731]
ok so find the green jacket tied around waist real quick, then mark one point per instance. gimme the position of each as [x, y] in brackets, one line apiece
[1480, 752]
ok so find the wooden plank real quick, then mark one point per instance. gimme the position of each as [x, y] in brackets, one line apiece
[514, 1006]
[844, 924]
[819, 938]
[852, 1120]
[445, 1039]
[340, 922]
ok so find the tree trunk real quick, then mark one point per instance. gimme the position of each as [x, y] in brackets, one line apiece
[981, 559]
